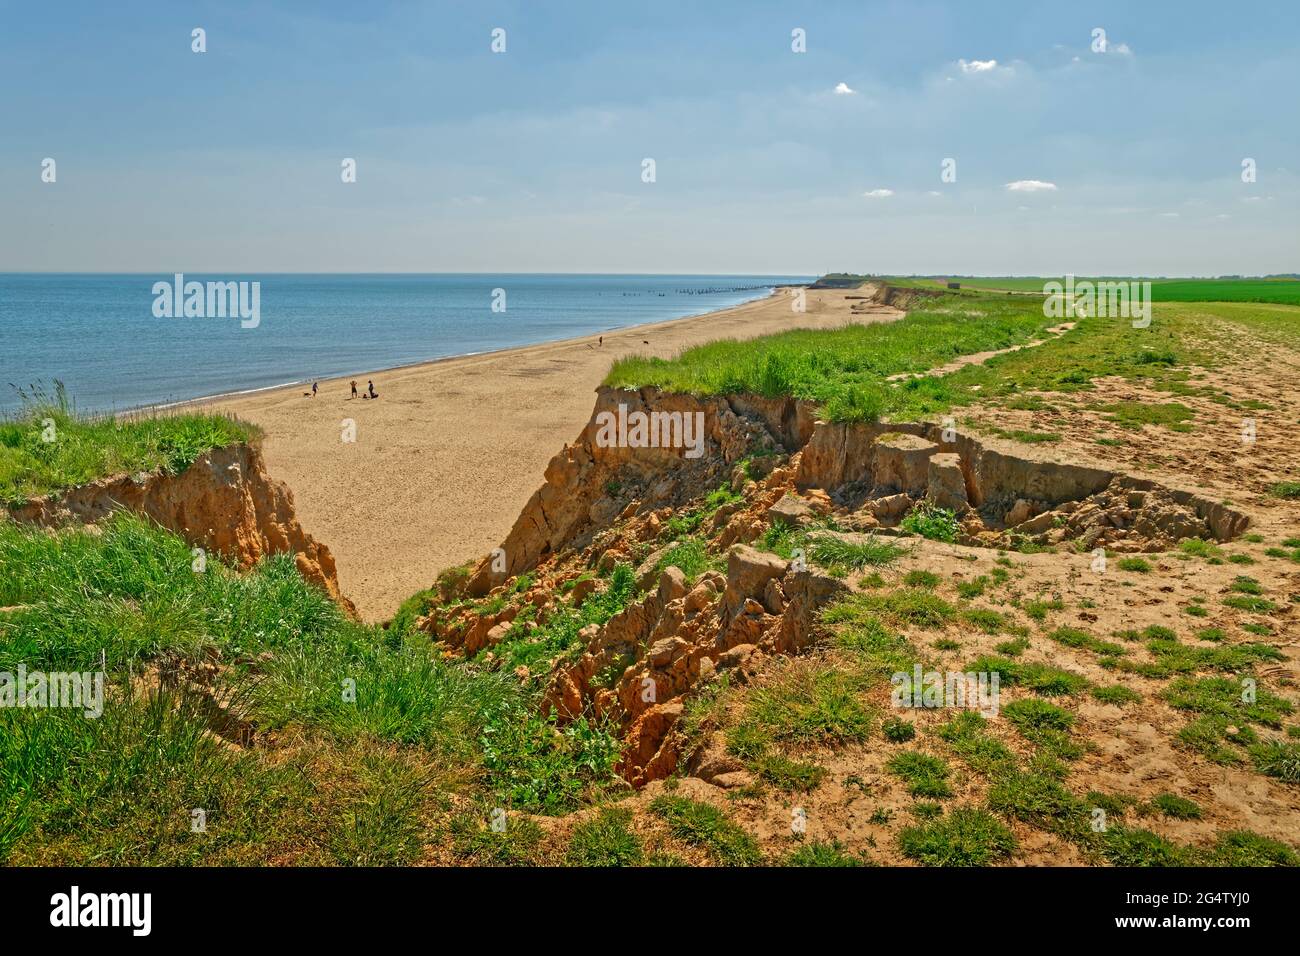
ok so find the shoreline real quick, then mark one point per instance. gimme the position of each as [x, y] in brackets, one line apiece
[425, 363]
[436, 470]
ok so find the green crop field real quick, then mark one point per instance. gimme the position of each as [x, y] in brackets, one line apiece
[1281, 290]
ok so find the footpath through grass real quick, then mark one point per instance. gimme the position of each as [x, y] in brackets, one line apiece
[849, 370]
[48, 446]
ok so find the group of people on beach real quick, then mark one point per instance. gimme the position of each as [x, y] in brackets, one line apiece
[368, 393]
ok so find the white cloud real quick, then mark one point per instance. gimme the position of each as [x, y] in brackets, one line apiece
[1123, 49]
[977, 66]
[878, 194]
[1031, 186]
[1169, 215]
[843, 89]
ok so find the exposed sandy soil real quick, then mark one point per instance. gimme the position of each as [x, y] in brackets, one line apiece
[447, 457]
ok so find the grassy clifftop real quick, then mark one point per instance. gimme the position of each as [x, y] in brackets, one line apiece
[48, 446]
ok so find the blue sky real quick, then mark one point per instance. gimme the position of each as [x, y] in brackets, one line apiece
[530, 160]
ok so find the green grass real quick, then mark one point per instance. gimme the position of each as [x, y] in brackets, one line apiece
[845, 369]
[82, 448]
[1040, 678]
[606, 840]
[1137, 565]
[822, 853]
[705, 826]
[830, 551]
[1116, 694]
[965, 837]
[937, 524]
[1176, 807]
[921, 579]
[925, 775]
[119, 788]
[1134, 415]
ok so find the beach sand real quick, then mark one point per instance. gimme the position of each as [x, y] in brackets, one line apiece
[448, 455]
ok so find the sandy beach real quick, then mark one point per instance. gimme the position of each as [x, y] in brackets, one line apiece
[447, 456]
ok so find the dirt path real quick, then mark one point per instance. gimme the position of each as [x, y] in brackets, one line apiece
[447, 457]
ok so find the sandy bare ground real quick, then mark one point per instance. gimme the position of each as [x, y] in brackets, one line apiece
[447, 457]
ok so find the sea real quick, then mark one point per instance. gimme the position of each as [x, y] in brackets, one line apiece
[115, 341]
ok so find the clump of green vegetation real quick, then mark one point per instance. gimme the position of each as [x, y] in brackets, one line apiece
[606, 840]
[1116, 694]
[1280, 759]
[929, 521]
[925, 775]
[921, 579]
[898, 731]
[965, 837]
[125, 599]
[1217, 739]
[809, 703]
[908, 607]
[1137, 565]
[790, 775]
[690, 555]
[1014, 647]
[832, 551]
[705, 826]
[973, 588]
[1286, 489]
[1134, 415]
[1074, 637]
[48, 446]
[1037, 609]
[1040, 678]
[822, 853]
[1176, 807]
[1199, 548]
[1256, 605]
[967, 734]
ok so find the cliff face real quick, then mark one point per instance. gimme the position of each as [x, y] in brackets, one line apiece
[760, 463]
[225, 503]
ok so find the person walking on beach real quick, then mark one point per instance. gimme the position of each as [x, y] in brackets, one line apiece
[313, 389]
[354, 388]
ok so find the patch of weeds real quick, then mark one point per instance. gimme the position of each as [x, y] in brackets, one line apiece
[966, 734]
[1223, 697]
[965, 837]
[1037, 609]
[606, 840]
[1198, 548]
[790, 775]
[822, 853]
[1074, 637]
[898, 731]
[1209, 736]
[830, 551]
[1040, 678]
[983, 619]
[925, 775]
[705, 826]
[921, 579]
[1246, 848]
[1123, 846]
[1137, 565]
[1255, 605]
[974, 588]
[807, 703]
[947, 644]
[1176, 807]
[1286, 489]
[1277, 759]
[1116, 694]
[1014, 647]
[928, 521]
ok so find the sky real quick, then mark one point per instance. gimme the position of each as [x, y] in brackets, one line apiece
[1070, 154]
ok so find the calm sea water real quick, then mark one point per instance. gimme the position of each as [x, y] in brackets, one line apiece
[98, 333]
